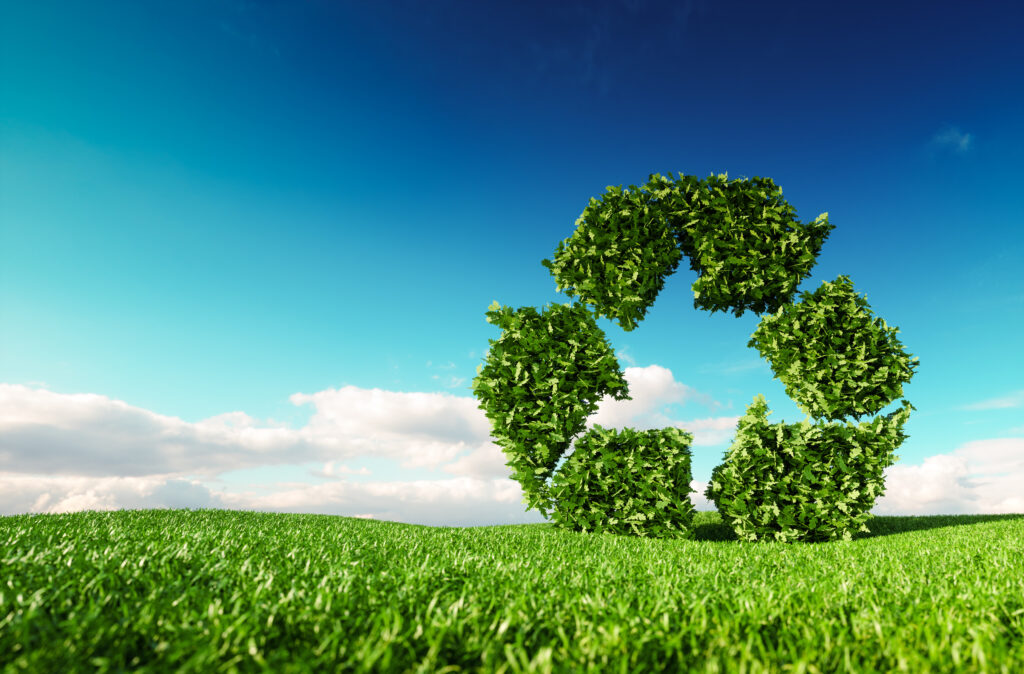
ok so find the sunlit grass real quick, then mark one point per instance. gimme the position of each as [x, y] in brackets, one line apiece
[223, 591]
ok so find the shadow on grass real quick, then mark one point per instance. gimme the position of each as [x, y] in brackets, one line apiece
[708, 525]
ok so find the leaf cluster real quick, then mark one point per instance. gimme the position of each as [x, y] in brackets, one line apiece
[633, 483]
[741, 236]
[833, 358]
[804, 482]
[543, 377]
[619, 255]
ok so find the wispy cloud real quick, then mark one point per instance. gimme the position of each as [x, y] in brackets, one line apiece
[733, 368]
[951, 138]
[589, 56]
[1013, 400]
[449, 381]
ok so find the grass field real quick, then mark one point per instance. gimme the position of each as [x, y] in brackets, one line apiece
[235, 591]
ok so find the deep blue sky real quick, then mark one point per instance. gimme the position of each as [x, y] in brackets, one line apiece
[207, 207]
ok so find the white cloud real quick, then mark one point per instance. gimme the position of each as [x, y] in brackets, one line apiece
[984, 476]
[70, 452]
[335, 469]
[697, 496]
[651, 389]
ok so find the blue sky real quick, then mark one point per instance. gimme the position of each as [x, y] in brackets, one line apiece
[246, 248]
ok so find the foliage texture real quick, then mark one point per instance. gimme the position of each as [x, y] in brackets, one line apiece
[635, 483]
[741, 237]
[788, 482]
[803, 482]
[543, 378]
[833, 358]
[619, 255]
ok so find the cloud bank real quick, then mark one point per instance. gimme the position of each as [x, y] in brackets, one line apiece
[72, 452]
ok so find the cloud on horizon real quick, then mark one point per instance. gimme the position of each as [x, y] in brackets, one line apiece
[72, 452]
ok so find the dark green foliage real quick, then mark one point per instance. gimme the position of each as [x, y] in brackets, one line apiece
[743, 238]
[804, 482]
[634, 483]
[618, 257]
[795, 482]
[834, 360]
[543, 378]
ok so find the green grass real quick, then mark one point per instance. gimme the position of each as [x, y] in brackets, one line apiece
[224, 591]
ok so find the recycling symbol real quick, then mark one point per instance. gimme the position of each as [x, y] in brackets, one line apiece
[787, 482]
